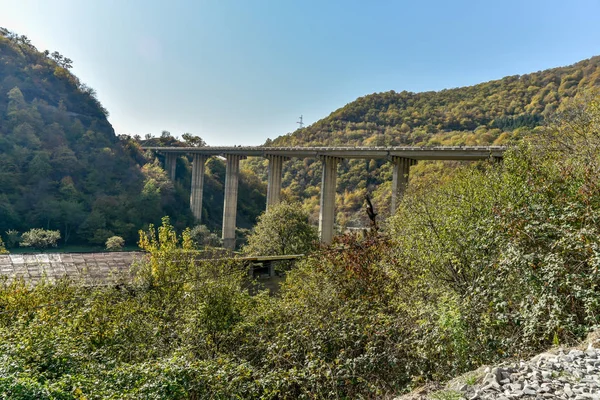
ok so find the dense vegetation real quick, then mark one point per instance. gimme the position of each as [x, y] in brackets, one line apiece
[494, 261]
[496, 112]
[63, 168]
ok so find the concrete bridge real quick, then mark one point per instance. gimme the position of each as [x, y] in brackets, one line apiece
[402, 159]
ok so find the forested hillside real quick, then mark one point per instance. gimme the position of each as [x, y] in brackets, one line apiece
[62, 166]
[447, 116]
[495, 112]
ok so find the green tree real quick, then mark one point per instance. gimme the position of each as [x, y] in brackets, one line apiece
[115, 243]
[192, 140]
[40, 238]
[283, 229]
[12, 238]
[202, 237]
[2, 247]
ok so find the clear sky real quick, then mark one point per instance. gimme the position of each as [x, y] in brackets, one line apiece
[242, 71]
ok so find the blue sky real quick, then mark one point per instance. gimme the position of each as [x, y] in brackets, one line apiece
[239, 72]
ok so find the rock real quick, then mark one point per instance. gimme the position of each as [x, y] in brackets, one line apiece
[591, 353]
[569, 376]
[515, 386]
[528, 390]
[546, 374]
[577, 353]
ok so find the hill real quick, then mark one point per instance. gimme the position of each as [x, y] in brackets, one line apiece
[495, 112]
[63, 167]
[444, 117]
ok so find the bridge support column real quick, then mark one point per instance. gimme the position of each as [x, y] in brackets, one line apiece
[231, 194]
[171, 165]
[274, 182]
[328, 185]
[400, 179]
[197, 185]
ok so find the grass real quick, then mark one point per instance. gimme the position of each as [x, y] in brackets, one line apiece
[471, 379]
[446, 395]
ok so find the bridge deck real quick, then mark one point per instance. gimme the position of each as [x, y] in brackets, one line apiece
[415, 153]
[269, 258]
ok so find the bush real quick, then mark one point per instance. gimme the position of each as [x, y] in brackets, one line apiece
[40, 238]
[2, 248]
[115, 243]
[503, 259]
[203, 237]
[12, 238]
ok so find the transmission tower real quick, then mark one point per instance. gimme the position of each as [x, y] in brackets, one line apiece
[300, 123]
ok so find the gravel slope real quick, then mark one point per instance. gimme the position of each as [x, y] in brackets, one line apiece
[571, 374]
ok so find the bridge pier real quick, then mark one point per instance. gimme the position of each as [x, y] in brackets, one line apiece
[197, 185]
[231, 194]
[328, 186]
[400, 179]
[171, 165]
[274, 180]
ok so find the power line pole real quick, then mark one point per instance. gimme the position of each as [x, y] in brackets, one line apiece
[300, 123]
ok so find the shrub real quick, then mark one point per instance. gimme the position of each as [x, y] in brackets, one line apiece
[40, 238]
[203, 237]
[503, 259]
[12, 238]
[115, 243]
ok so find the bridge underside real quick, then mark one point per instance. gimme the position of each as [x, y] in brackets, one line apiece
[401, 157]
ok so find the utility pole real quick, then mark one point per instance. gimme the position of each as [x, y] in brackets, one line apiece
[300, 123]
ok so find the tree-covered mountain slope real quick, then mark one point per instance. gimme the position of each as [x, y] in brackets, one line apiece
[62, 166]
[495, 112]
[424, 118]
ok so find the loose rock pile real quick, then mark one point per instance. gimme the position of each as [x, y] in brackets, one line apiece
[566, 375]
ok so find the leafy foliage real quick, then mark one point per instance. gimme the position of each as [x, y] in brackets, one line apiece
[115, 243]
[203, 237]
[283, 229]
[2, 247]
[12, 238]
[40, 238]
[62, 166]
[511, 252]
